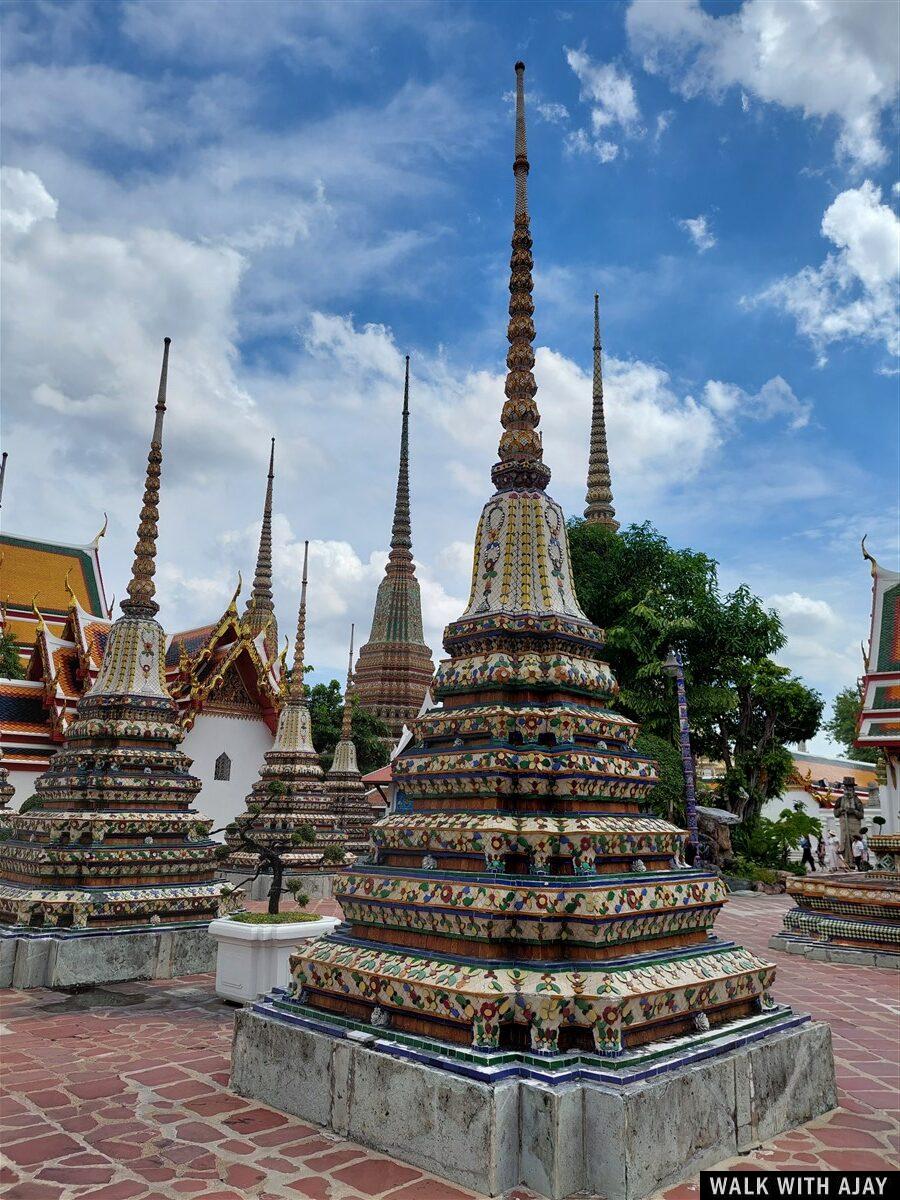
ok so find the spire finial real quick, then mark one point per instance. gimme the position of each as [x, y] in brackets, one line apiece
[260, 608]
[521, 453]
[401, 530]
[599, 509]
[347, 720]
[141, 589]
[300, 640]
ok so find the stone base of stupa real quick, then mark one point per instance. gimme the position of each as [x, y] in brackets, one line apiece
[852, 918]
[317, 884]
[821, 950]
[72, 958]
[574, 1125]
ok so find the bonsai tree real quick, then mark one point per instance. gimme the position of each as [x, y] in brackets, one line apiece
[243, 834]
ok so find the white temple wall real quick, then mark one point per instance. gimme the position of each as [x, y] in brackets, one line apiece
[794, 796]
[245, 741]
[23, 782]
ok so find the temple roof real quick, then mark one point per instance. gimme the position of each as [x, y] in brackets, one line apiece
[48, 573]
[823, 777]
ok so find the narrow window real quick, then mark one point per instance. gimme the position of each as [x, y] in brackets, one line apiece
[223, 767]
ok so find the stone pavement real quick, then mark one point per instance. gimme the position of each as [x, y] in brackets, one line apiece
[122, 1094]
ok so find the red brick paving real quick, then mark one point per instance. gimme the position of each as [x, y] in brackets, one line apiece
[130, 1102]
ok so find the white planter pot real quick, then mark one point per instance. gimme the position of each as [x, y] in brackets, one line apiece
[253, 959]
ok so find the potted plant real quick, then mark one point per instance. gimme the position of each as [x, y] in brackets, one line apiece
[254, 949]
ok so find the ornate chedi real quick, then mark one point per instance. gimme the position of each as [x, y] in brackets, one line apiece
[855, 916]
[526, 909]
[395, 666]
[300, 798]
[599, 509]
[354, 815]
[113, 840]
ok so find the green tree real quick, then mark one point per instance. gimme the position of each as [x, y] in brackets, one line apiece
[843, 723]
[326, 709]
[648, 595]
[667, 797]
[10, 663]
[774, 709]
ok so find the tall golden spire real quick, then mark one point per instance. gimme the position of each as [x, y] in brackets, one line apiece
[141, 589]
[260, 610]
[347, 719]
[599, 509]
[296, 690]
[521, 453]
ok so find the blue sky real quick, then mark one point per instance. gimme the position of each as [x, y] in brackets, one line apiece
[300, 194]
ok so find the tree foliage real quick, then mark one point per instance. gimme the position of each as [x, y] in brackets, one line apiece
[667, 797]
[842, 725]
[10, 663]
[770, 842]
[744, 708]
[326, 709]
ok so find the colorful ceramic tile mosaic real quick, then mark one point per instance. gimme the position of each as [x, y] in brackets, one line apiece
[526, 903]
[113, 839]
[856, 910]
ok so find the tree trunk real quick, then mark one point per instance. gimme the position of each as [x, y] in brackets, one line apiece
[275, 889]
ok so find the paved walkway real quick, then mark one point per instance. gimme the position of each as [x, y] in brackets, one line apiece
[122, 1094]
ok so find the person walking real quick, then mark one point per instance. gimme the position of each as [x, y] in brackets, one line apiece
[866, 856]
[858, 849]
[833, 861]
[806, 858]
[820, 852]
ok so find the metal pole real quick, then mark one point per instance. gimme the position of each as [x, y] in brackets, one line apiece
[687, 757]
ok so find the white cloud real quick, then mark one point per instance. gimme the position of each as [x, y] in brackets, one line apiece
[774, 399]
[829, 58]
[77, 408]
[698, 230]
[853, 294]
[551, 111]
[822, 644]
[24, 200]
[614, 111]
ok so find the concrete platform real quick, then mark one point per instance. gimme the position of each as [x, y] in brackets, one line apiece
[821, 951]
[77, 958]
[622, 1140]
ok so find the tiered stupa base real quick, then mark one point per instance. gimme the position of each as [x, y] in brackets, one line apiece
[78, 958]
[621, 1126]
[852, 918]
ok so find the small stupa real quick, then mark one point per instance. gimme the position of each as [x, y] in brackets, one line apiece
[354, 816]
[299, 800]
[111, 840]
[395, 666]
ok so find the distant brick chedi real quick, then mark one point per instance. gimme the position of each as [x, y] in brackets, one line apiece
[526, 904]
[395, 666]
[113, 839]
